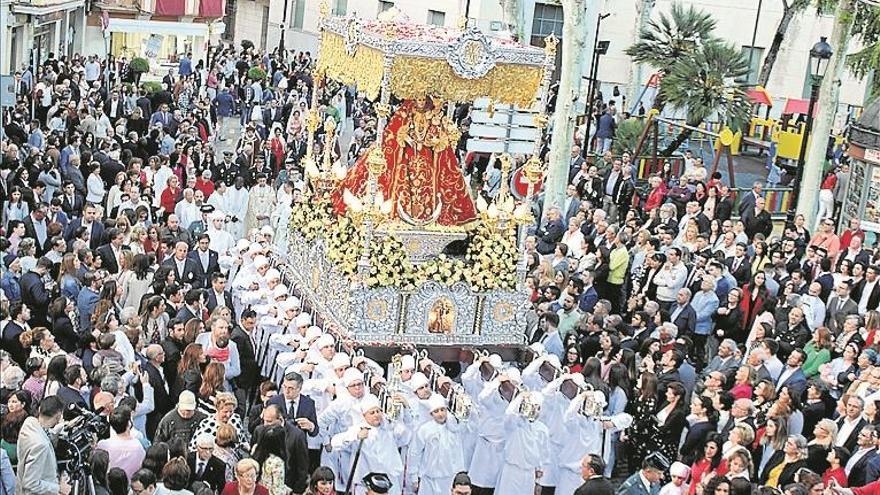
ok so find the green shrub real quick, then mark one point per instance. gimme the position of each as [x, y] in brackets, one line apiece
[151, 87]
[139, 64]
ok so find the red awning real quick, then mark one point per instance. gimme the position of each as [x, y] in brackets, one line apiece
[796, 106]
[759, 96]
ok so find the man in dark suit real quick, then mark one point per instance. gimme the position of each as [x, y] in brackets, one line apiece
[10, 341]
[750, 199]
[71, 201]
[37, 220]
[869, 289]
[849, 425]
[218, 294]
[90, 221]
[572, 203]
[204, 466]
[792, 375]
[854, 253]
[863, 457]
[192, 306]
[682, 314]
[739, 265]
[153, 366]
[35, 293]
[76, 378]
[244, 339]
[592, 467]
[206, 261]
[840, 305]
[111, 252]
[757, 220]
[184, 267]
[299, 409]
[296, 467]
[551, 233]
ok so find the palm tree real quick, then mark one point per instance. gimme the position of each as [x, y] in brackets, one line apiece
[669, 39]
[703, 85]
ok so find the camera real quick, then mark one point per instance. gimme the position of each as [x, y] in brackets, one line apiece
[76, 439]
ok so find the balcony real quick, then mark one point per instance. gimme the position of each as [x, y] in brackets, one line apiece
[166, 8]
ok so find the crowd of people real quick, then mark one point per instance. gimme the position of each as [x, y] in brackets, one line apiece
[673, 337]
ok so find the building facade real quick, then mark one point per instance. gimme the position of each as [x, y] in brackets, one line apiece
[31, 30]
[735, 23]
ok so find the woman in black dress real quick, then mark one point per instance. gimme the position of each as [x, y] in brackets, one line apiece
[644, 426]
[671, 420]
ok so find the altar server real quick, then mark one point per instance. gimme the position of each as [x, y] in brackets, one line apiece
[558, 395]
[486, 463]
[584, 435]
[434, 456]
[379, 441]
[337, 418]
[525, 446]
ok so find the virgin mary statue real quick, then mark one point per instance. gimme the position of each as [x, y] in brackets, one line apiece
[422, 178]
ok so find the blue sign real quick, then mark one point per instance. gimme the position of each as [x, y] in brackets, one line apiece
[7, 91]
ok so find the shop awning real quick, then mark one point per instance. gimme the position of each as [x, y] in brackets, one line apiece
[797, 106]
[158, 27]
[760, 96]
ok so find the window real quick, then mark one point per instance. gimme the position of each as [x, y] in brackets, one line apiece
[547, 19]
[756, 53]
[385, 5]
[341, 7]
[299, 14]
[436, 17]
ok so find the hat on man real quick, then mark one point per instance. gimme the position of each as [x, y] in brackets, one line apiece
[368, 402]
[407, 362]
[266, 230]
[350, 376]
[656, 460]
[325, 340]
[227, 153]
[303, 320]
[378, 482]
[207, 209]
[435, 402]
[186, 401]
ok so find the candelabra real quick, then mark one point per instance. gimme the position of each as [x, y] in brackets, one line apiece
[332, 171]
[371, 210]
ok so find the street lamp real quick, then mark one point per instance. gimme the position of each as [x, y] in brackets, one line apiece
[599, 48]
[820, 54]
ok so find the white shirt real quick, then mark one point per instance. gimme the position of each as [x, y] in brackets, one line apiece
[866, 294]
[845, 430]
[857, 455]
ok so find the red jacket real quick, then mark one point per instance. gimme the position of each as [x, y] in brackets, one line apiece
[168, 199]
[656, 197]
[231, 488]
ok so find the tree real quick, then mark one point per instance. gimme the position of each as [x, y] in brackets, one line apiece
[867, 26]
[670, 39]
[574, 40]
[703, 84]
[789, 10]
[829, 93]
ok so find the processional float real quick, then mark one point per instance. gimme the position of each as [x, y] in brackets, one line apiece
[369, 247]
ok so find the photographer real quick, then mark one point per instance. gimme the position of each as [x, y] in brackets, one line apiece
[37, 466]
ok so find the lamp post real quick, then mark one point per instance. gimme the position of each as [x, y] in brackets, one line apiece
[819, 56]
[594, 73]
